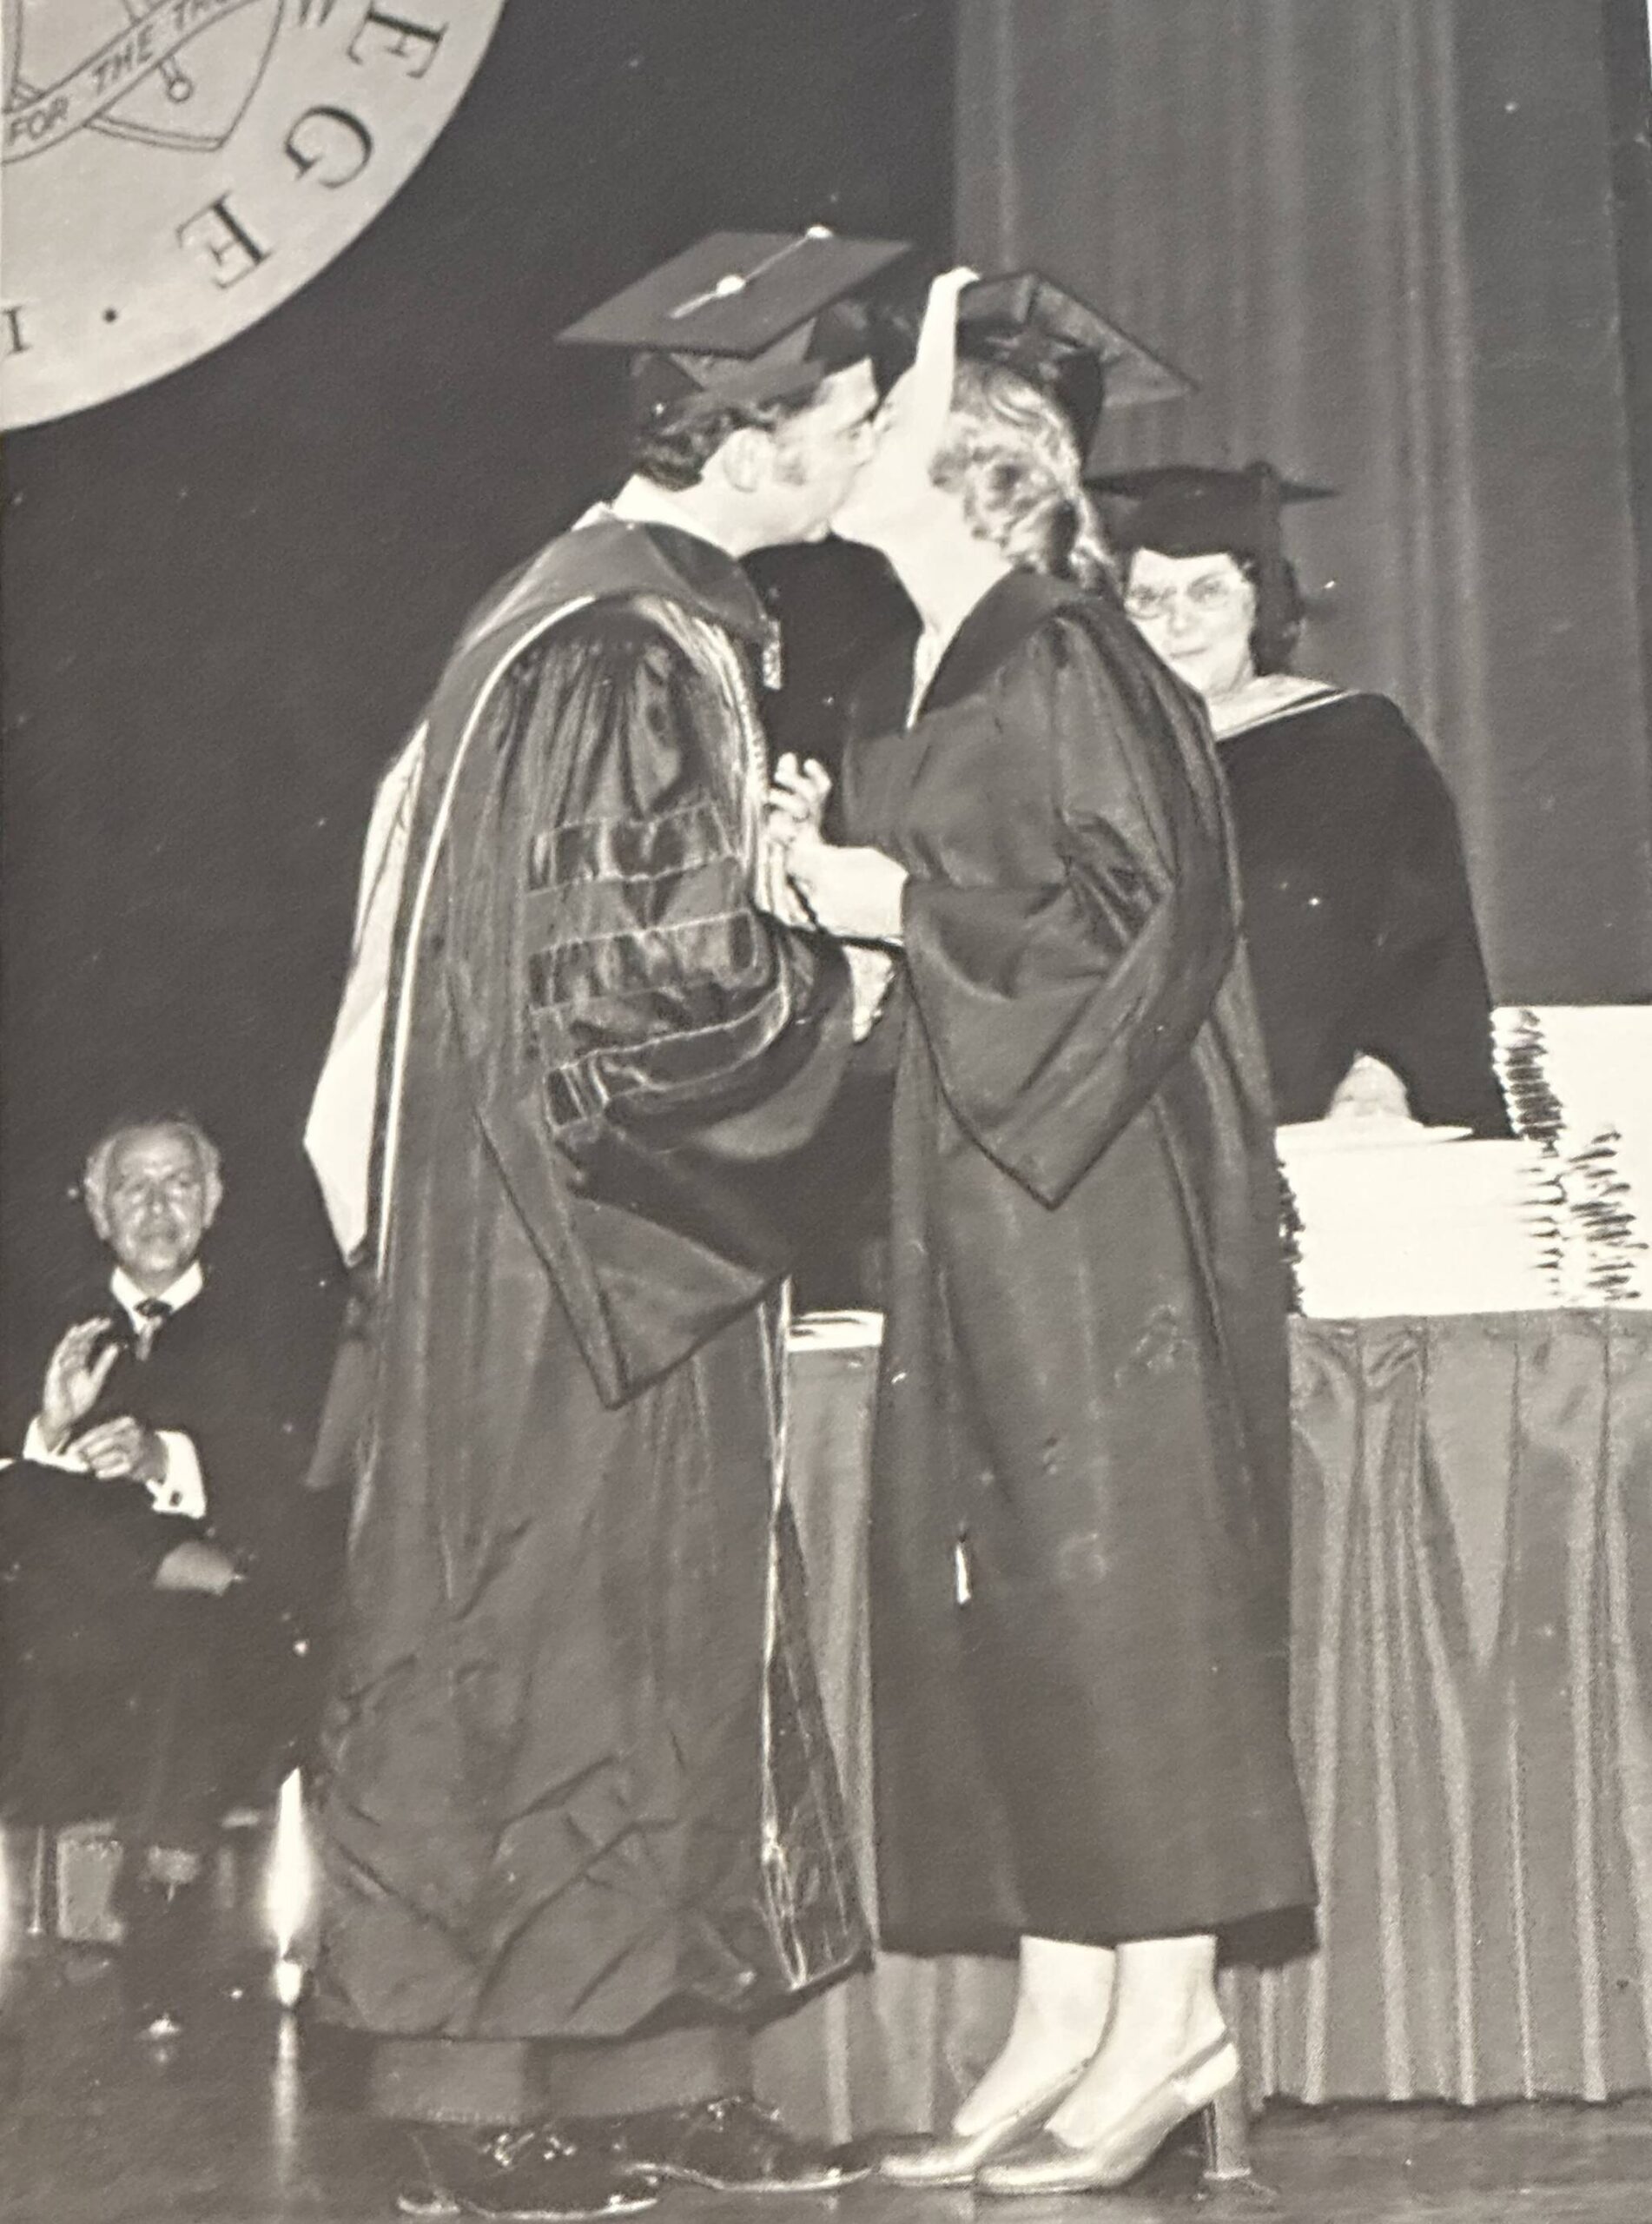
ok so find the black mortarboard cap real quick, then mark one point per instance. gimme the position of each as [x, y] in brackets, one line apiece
[741, 317]
[1190, 509]
[1074, 353]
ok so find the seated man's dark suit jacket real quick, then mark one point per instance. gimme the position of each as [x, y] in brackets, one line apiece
[163, 1707]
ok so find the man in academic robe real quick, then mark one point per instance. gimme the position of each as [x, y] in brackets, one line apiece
[579, 1791]
[165, 1575]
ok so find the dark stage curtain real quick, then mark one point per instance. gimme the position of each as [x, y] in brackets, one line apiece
[1379, 233]
[1472, 1669]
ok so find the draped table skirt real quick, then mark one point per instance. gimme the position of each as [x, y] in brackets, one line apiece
[1471, 1703]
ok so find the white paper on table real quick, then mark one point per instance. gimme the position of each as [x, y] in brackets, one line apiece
[846, 1331]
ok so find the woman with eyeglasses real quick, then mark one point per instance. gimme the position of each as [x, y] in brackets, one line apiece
[1367, 963]
[1081, 1463]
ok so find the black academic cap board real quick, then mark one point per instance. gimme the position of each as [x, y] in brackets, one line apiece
[1190, 509]
[741, 317]
[1076, 354]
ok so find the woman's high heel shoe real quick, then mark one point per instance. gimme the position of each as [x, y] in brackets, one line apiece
[1047, 2164]
[952, 2158]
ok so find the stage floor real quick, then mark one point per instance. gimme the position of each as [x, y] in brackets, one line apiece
[243, 2126]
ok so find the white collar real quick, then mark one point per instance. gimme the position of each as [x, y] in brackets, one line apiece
[639, 501]
[184, 1291]
[1264, 696]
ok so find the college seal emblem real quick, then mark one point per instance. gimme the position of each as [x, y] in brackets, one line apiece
[173, 170]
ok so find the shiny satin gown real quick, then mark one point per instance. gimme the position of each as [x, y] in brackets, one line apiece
[1081, 1463]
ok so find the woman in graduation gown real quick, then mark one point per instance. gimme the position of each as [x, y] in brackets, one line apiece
[1082, 1460]
[1369, 975]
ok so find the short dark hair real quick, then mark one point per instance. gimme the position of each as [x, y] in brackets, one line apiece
[1280, 610]
[1276, 623]
[673, 447]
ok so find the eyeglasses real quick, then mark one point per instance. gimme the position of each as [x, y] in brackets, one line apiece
[1210, 594]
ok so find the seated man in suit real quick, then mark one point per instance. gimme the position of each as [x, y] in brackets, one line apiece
[165, 1571]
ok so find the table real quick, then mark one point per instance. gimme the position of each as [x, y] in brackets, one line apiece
[1472, 1706]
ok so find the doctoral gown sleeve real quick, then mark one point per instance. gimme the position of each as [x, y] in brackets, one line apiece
[1055, 1007]
[675, 1051]
[1429, 1011]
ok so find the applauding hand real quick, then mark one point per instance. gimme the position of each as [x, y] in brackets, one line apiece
[74, 1374]
[123, 1449]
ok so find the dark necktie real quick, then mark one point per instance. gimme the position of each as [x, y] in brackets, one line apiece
[151, 1311]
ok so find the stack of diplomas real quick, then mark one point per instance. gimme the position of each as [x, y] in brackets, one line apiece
[1578, 1078]
[1396, 1218]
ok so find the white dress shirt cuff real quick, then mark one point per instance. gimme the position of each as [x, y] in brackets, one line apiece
[34, 1447]
[183, 1491]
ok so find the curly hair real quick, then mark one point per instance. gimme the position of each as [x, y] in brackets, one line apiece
[1011, 456]
[674, 446]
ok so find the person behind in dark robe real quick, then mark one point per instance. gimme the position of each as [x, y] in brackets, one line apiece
[581, 1825]
[165, 1579]
[1358, 914]
[1081, 1455]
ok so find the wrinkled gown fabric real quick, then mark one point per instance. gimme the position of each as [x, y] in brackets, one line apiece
[1081, 1456]
[577, 1775]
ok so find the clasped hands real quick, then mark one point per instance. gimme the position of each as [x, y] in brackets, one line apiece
[120, 1450]
[854, 894]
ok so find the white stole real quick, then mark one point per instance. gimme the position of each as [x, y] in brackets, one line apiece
[338, 1135]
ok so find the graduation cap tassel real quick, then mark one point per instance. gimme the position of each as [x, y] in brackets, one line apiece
[736, 281]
